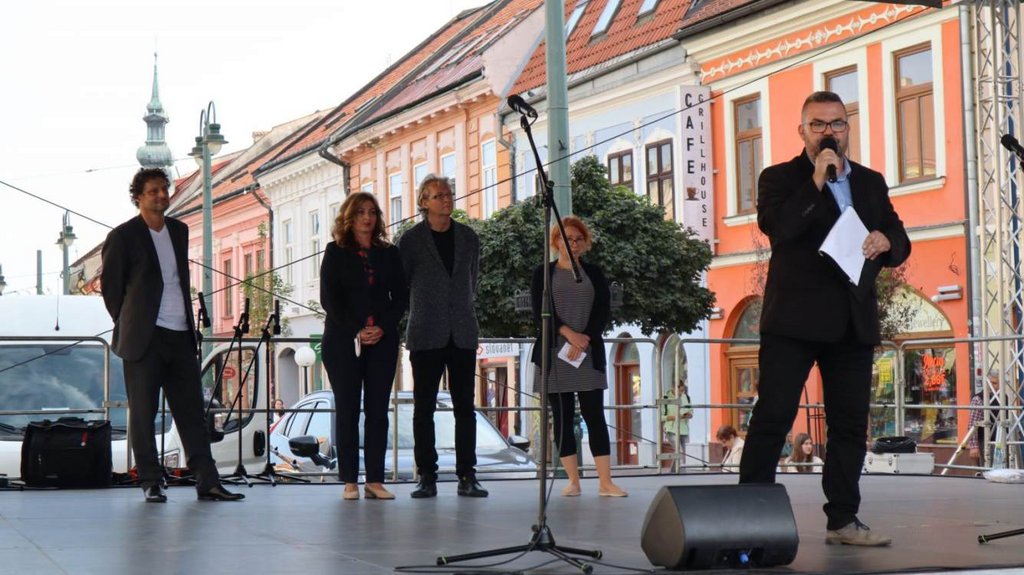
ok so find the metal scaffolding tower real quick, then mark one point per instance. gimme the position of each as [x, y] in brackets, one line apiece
[997, 304]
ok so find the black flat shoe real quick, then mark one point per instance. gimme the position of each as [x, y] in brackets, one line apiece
[425, 488]
[155, 494]
[220, 494]
[470, 487]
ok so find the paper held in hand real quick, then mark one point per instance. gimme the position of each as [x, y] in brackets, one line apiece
[844, 244]
[563, 355]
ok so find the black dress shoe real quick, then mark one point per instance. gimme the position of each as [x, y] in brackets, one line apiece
[155, 494]
[220, 494]
[425, 488]
[470, 487]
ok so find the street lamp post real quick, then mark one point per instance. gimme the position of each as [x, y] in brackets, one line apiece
[64, 241]
[208, 143]
[305, 357]
[3, 284]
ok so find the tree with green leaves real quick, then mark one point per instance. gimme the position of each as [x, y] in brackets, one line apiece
[261, 288]
[657, 262]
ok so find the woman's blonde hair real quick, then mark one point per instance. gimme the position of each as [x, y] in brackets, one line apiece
[342, 230]
[572, 222]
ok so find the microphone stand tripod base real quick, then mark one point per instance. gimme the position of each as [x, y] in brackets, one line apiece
[542, 540]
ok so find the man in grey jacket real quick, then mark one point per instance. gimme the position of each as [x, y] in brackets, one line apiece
[441, 258]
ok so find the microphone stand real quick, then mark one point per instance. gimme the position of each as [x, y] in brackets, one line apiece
[542, 539]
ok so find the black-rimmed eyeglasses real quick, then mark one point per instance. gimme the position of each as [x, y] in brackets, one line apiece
[817, 126]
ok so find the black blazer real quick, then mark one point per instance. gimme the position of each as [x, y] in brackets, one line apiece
[806, 296]
[600, 312]
[349, 299]
[132, 284]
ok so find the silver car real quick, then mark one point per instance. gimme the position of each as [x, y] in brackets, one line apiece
[303, 441]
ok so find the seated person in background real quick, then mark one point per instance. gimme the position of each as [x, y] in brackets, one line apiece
[802, 459]
[733, 445]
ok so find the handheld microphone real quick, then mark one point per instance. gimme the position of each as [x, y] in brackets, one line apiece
[1011, 143]
[245, 317]
[518, 104]
[277, 317]
[204, 316]
[830, 143]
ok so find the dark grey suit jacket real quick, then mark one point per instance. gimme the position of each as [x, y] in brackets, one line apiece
[132, 284]
[440, 306]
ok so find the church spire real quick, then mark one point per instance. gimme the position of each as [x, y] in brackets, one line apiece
[155, 153]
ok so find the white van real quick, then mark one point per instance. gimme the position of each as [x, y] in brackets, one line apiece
[51, 361]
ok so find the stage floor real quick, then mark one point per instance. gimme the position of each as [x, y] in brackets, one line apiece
[292, 528]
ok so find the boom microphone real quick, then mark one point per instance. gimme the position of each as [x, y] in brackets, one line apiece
[517, 103]
[830, 143]
[1011, 143]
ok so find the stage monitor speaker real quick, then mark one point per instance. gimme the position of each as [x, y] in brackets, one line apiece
[720, 526]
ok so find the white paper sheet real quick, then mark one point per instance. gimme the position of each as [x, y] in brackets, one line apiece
[844, 244]
[563, 355]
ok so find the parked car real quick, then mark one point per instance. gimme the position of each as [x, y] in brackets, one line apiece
[55, 375]
[304, 441]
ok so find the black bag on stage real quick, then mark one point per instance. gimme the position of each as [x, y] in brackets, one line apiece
[69, 452]
[898, 444]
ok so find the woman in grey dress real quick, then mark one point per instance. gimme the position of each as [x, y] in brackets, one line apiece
[579, 318]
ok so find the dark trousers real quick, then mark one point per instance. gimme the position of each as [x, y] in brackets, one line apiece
[563, 411]
[370, 377]
[169, 363]
[846, 377]
[427, 368]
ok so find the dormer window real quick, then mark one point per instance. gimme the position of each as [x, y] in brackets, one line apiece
[606, 18]
[574, 18]
[646, 8]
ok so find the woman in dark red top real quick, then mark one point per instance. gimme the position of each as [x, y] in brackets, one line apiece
[363, 291]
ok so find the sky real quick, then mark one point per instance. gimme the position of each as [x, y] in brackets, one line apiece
[76, 75]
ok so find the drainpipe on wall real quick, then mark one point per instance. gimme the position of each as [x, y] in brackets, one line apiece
[511, 147]
[974, 268]
[325, 153]
[272, 371]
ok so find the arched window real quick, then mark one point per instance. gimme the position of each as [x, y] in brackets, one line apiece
[743, 371]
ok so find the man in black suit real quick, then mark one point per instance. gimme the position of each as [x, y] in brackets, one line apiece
[814, 314]
[146, 290]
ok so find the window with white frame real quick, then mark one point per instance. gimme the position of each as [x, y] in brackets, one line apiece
[229, 288]
[915, 113]
[844, 83]
[574, 18]
[448, 169]
[314, 244]
[289, 250]
[620, 169]
[367, 187]
[747, 126]
[489, 169]
[333, 209]
[659, 177]
[419, 171]
[646, 7]
[395, 195]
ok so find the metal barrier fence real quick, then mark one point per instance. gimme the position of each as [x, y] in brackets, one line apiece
[1009, 409]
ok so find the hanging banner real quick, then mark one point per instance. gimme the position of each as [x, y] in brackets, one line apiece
[697, 198]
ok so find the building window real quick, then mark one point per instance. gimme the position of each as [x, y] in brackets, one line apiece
[574, 18]
[845, 84]
[261, 260]
[367, 187]
[448, 169]
[395, 193]
[659, 177]
[247, 267]
[646, 7]
[229, 288]
[915, 113]
[489, 169]
[333, 209]
[314, 244]
[605, 20]
[748, 152]
[620, 169]
[289, 253]
[419, 171]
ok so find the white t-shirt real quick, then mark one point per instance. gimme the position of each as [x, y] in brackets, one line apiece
[172, 305]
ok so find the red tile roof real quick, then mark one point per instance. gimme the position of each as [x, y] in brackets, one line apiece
[626, 34]
[318, 134]
[462, 60]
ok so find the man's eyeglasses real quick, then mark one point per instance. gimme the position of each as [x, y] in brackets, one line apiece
[817, 126]
[442, 196]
